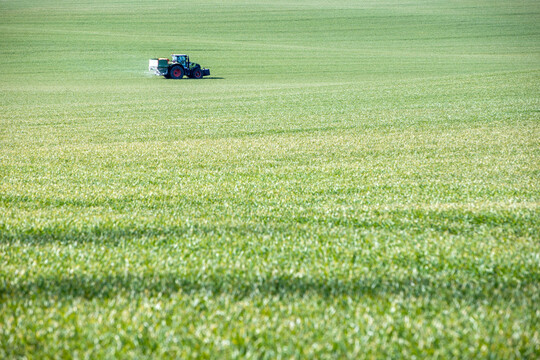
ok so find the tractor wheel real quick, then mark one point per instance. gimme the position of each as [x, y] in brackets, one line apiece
[176, 72]
[197, 74]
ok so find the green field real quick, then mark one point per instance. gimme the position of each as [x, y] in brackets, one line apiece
[357, 179]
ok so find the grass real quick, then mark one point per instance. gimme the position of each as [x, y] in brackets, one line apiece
[355, 180]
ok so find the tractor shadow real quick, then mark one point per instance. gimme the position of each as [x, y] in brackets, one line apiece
[204, 78]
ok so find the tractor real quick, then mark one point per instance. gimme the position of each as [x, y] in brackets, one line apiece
[177, 68]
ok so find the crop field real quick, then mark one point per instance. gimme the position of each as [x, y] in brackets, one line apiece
[356, 179]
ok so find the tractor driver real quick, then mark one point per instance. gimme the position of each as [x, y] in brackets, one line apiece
[182, 60]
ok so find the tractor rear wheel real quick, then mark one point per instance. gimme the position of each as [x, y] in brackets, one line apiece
[176, 72]
[197, 74]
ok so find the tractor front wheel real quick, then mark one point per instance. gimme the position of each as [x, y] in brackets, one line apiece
[197, 74]
[176, 72]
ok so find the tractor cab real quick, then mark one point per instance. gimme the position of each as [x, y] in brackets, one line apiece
[181, 59]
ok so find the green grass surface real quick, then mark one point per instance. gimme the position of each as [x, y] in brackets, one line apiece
[357, 179]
